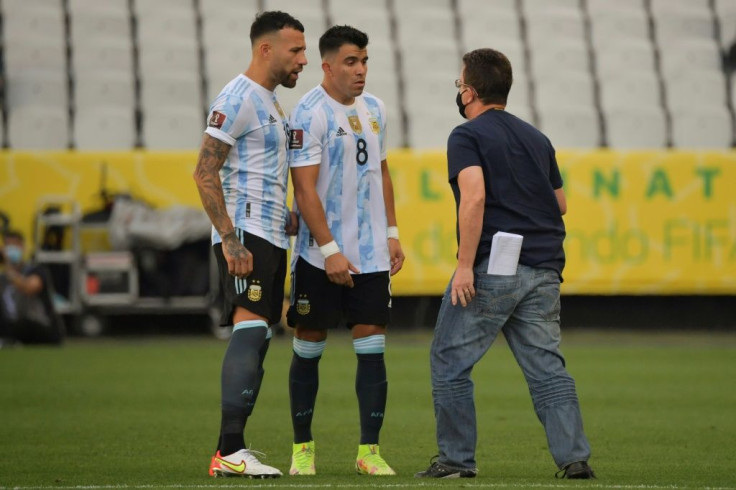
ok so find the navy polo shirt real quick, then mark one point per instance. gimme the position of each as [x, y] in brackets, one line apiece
[521, 175]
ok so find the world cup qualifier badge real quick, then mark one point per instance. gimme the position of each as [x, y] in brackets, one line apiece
[255, 292]
[296, 139]
[302, 305]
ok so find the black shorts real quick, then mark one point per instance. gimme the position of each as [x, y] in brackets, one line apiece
[262, 292]
[318, 304]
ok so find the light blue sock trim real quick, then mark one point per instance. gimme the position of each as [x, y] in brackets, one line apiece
[373, 344]
[250, 324]
[307, 349]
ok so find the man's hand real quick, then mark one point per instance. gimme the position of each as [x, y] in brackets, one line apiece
[396, 255]
[239, 259]
[462, 286]
[292, 223]
[338, 267]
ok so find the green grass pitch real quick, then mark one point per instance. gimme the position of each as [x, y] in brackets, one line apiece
[659, 410]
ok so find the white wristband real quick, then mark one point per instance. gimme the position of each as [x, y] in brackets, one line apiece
[392, 232]
[329, 249]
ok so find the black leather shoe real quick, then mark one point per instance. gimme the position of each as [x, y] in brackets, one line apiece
[439, 470]
[578, 470]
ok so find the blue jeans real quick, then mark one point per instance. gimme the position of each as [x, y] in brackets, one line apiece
[526, 307]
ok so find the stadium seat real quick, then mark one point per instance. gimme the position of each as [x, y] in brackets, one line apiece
[173, 128]
[624, 55]
[167, 29]
[687, 6]
[104, 88]
[429, 59]
[483, 8]
[31, 24]
[170, 89]
[404, 9]
[570, 126]
[145, 8]
[490, 30]
[547, 27]
[103, 55]
[91, 26]
[544, 7]
[631, 127]
[430, 26]
[371, 18]
[43, 88]
[108, 7]
[726, 14]
[603, 8]
[34, 127]
[41, 53]
[698, 89]
[558, 58]
[690, 56]
[104, 128]
[429, 128]
[702, 127]
[639, 89]
[617, 26]
[574, 89]
[156, 58]
[674, 25]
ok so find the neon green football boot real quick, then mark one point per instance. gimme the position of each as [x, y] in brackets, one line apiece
[370, 462]
[302, 459]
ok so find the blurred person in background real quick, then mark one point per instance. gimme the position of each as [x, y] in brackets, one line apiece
[27, 313]
[348, 242]
[242, 177]
[504, 176]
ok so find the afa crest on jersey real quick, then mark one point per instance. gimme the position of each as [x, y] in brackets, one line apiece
[374, 125]
[302, 305]
[355, 124]
[255, 292]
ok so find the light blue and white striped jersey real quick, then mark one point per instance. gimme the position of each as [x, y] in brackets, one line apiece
[349, 143]
[256, 173]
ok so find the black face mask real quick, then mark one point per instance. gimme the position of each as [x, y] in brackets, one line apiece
[460, 106]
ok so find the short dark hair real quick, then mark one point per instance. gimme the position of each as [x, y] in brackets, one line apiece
[13, 234]
[336, 36]
[489, 72]
[272, 21]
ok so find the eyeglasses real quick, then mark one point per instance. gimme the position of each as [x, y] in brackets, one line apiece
[459, 84]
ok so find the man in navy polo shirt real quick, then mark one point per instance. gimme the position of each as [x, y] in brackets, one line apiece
[505, 178]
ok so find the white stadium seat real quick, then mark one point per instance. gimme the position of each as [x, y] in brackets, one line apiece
[564, 89]
[104, 128]
[37, 88]
[702, 127]
[698, 89]
[635, 88]
[632, 127]
[38, 128]
[105, 88]
[571, 126]
[173, 128]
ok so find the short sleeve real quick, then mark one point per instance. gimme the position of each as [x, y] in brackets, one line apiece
[462, 152]
[307, 137]
[226, 120]
[384, 139]
[555, 178]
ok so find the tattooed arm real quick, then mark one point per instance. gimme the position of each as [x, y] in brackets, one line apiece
[212, 156]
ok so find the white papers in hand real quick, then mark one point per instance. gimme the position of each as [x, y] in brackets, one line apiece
[505, 251]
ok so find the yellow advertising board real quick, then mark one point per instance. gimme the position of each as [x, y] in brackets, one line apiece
[654, 222]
